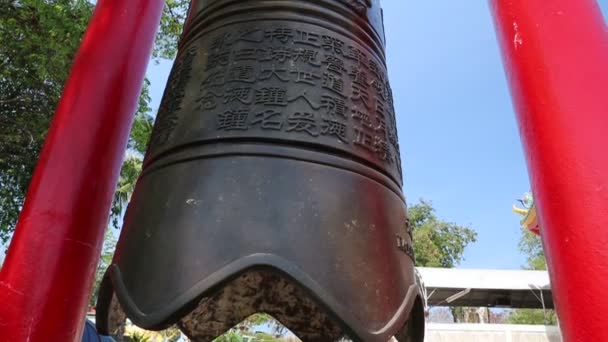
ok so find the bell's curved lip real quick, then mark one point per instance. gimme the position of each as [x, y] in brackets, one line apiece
[337, 310]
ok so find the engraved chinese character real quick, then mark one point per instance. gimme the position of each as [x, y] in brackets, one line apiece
[380, 128]
[362, 118]
[270, 97]
[281, 34]
[360, 94]
[267, 74]
[357, 55]
[384, 112]
[333, 106]
[241, 73]
[180, 75]
[333, 45]
[303, 122]
[186, 64]
[334, 64]
[405, 247]
[364, 139]
[305, 76]
[307, 38]
[214, 79]
[388, 117]
[374, 68]
[250, 35]
[221, 42]
[207, 101]
[233, 120]
[382, 149]
[218, 59]
[275, 54]
[249, 54]
[306, 55]
[335, 128]
[241, 95]
[334, 83]
[227, 40]
[359, 77]
[304, 96]
[408, 228]
[393, 138]
[172, 99]
[389, 93]
[268, 119]
[380, 110]
[380, 88]
[163, 128]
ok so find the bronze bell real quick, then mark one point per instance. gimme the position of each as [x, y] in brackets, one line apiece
[272, 182]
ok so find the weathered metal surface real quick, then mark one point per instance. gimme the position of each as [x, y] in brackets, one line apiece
[276, 147]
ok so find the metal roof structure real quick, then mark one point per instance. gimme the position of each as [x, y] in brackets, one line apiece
[437, 332]
[489, 288]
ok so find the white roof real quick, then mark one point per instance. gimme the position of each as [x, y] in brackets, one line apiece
[483, 287]
[484, 279]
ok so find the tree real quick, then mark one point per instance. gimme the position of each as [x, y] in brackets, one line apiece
[107, 252]
[39, 41]
[231, 336]
[531, 246]
[437, 243]
[132, 165]
[532, 316]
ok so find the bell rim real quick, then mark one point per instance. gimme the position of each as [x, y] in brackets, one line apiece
[165, 317]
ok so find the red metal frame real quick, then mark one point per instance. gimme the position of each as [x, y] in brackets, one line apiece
[48, 273]
[556, 58]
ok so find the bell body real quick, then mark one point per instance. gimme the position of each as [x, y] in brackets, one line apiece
[272, 182]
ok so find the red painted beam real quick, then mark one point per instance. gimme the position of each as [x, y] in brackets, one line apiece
[556, 60]
[49, 269]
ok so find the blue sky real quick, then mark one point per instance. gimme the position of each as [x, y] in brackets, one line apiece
[458, 135]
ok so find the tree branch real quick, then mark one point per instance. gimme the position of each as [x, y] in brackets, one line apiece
[173, 15]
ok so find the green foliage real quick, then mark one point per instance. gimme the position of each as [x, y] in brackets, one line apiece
[136, 337]
[237, 336]
[132, 165]
[171, 25]
[530, 244]
[107, 252]
[39, 40]
[263, 337]
[231, 336]
[140, 133]
[532, 316]
[171, 335]
[437, 243]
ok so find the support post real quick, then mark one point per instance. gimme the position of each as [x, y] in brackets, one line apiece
[556, 59]
[49, 269]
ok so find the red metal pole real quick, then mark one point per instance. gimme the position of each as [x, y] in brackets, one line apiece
[47, 275]
[556, 58]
